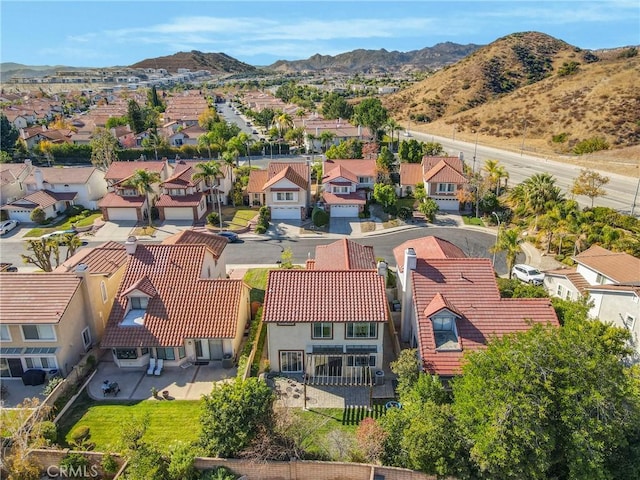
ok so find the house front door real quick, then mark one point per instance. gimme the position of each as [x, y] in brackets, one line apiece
[202, 349]
[15, 367]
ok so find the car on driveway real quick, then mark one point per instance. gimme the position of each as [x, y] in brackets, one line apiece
[527, 274]
[230, 236]
[8, 225]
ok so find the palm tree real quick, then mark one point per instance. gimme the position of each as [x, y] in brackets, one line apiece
[284, 122]
[205, 141]
[495, 172]
[326, 139]
[229, 159]
[311, 138]
[392, 126]
[153, 141]
[209, 173]
[142, 181]
[509, 241]
[540, 194]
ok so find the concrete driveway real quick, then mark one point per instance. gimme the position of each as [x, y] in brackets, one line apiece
[343, 226]
[115, 231]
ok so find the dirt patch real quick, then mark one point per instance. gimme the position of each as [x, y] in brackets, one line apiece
[367, 227]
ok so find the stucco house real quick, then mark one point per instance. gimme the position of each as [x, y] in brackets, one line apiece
[284, 187]
[216, 244]
[123, 202]
[12, 180]
[451, 305]
[182, 198]
[346, 185]
[171, 305]
[326, 325]
[609, 280]
[442, 177]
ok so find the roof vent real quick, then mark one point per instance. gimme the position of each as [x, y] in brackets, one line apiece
[131, 244]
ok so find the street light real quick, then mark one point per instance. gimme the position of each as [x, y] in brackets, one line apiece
[495, 247]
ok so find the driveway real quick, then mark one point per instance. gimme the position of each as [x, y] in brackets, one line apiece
[343, 226]
[117, 232]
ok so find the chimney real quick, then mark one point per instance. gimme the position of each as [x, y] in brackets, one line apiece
[359, 130]
[81, 270]
[28, 163]
[461, 156]
[382, 269]
[131, 244]
[410, 262]
[317, 131]
[37, 173]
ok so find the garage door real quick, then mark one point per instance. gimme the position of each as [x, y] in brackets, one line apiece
[344, 210]
[281, 213]
[448, 204]
[175, 213]
[122, 214]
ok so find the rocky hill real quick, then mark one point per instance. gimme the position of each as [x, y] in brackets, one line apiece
[531, 84]
[195, 60]
[379, 61]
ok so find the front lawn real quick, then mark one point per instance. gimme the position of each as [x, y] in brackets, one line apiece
[169, 421]
[237, 217]
[63, 225]
[468, 220]
[256, 278]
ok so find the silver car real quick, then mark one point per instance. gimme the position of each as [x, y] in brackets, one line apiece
[527, 274]
[8, 225]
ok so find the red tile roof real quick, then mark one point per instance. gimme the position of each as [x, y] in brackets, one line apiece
[359, 167]
[105, 259]
[120, 170]
[290, 174]
[181, 177]
[354, 198]
[577, 280]
[338, 171]
[32, 298]
[429, 162]
[215, 243]
[325, 295]
[442, 172]
[70, 175]
[344, 255]
[618, 266]
[43, 198]
[191, 200]
[295, 172]
[186, 306]
[114, 200]
[469, 289]
[257, 179]
[411, 174]
[427, 248]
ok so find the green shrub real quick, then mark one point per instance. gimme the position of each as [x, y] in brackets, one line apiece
[260, 229]
[220, 473]
[80, 434]
[405, 213]
[51, 385]
[109, 464]
[213, 219]
[560, 138]
[74, 462]
[38, 215]
[264, 213]
[590, 145]
[49, 432]
[319, 217]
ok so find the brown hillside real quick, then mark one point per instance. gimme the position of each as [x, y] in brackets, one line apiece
[515, 86]
[195, 60]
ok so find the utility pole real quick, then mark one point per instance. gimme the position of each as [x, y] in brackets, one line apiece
[495, 247]
[475, 151]
[524, 132]
[635, 197]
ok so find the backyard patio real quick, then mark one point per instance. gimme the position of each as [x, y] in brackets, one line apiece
[179, 383]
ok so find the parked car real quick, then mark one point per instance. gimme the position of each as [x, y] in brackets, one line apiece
[59, 235]
[527, 273]
[230, 236]
[8, 225]
[8, 267]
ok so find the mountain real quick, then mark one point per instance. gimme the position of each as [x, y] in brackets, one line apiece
[10, 69]
[195, 60]
[530, 84]
[379, 61]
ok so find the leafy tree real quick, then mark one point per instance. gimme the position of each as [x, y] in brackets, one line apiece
[113, 122]
[264, 117]
[154, 100]
[208, 119]
[104, 148]
[514, 288]
[182, 462]
[351, 148]
[495, 173]
[428, 207]
[232, 414]
[142, 181]
[155, 141]
[8, 134]
[209, 173]
[589, 183]
[535, 195]
[551, 403]
[419, 192]
[371, 114]
[508, 241]
[410, 151]
[135, 117]
[370, 437]
[392, 127]
[385, 195]
[335, 106]
[38, 215]
[432, 149]
[407, 368]
[326, 139]
[42, 251]
[384, 162]
[5, 157]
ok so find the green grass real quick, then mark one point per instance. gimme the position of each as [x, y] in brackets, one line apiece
[64, 225]
[256, 278]
[239, 217]
[406, 202]
[169, 421]
[472, 221]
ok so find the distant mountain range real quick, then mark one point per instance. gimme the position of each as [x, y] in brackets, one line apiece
[380, 61]
[194, 60]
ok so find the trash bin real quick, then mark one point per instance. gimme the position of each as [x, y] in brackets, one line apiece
[227, 361]
[379, 377]
[33, 377]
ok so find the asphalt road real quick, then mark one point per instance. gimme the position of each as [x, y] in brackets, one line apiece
[621, 190]
[474, 243]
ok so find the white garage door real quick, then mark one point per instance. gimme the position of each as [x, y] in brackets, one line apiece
[178, 213]
[122, 214]
[448, 204]
[281, 213]
[344, 210]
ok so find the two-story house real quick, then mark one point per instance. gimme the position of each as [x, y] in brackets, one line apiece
[327, 325]
[216, 244]
[54, 189]
[609, 280]
[442, 177]
[12, 180]
[284, 187]
[452, 305]
[172, 305]
[346, 185]
[123, 202]
[181, 197]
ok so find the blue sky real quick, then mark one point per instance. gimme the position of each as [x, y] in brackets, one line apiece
[109, 33]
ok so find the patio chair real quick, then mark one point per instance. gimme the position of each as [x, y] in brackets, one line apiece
[152, 366]
[159, 366]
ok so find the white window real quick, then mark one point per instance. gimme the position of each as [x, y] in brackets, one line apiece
[322, 330]
[601, 279]
[340, 189]
[139, 303]
[364, 180]
[560, 291]
[284, 196]
[629, 321]
[86, 338]
[291, 361]
[40, 362]
[444, 330]
[446, 187]
[361, 360]
[362, 330]
[5, 335]
[38, 332]
[103, 291]
[129, 192]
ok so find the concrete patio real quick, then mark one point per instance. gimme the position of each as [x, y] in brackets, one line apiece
[180, 383]
[18, 392]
